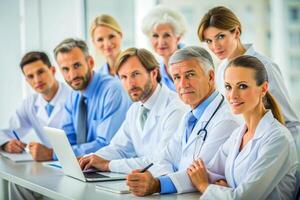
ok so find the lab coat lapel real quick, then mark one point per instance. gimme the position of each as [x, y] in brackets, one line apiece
[156, 112]
[202, 121]
[261, 128]
[232, 156]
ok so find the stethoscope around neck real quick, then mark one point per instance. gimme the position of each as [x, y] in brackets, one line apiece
[203, 131]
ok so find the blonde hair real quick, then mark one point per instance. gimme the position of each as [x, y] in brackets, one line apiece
[219, 17]
[260, 76]
[105, 20]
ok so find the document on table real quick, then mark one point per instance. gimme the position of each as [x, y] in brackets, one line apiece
[114, 186]
[17, 157]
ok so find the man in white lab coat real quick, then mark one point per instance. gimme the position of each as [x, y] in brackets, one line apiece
[202, 131]
[150, 122]
[42, 108]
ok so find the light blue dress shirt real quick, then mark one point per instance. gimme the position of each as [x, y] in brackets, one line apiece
[104, 71]
[107, 104]
[166, 184]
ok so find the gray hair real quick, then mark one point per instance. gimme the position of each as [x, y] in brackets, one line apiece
[193, 52]
[164, 15]
[70, 43]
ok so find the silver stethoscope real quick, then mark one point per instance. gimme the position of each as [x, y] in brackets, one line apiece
[203, 132]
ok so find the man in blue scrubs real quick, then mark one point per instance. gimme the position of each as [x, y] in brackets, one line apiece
[97, 105]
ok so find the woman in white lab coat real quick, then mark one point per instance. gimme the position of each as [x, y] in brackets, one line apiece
[107, 36]
[221, 30]
[259, 160]
[165, 28]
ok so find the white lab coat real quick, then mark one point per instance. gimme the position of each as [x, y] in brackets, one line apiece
[32, 115]
[178, 155]
[277, 88]
[264, 169]
[134, 148]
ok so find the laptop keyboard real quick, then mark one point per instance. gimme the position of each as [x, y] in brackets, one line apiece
[94, 175]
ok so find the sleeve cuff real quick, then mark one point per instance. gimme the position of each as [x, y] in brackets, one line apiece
[166, 185]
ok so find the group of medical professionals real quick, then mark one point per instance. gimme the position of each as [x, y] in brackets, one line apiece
[228, 134]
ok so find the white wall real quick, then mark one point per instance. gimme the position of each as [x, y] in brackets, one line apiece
[10, 75]
[28, 25]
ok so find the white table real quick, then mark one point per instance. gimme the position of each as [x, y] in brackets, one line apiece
[52, 183]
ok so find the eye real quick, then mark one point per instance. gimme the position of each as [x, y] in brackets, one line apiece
[155, 35]
[77, 65]
[100, 39]
[29, 77]
[176, 77]
[190, 74]
[65, 69]
[243, 86]
[111, 36]
[220, 37]
[227, 87]
[41, 71]
[166, 35]
[123, 77]
[208, 41]
[135, 74]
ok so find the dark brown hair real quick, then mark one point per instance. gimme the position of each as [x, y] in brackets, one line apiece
[33, 56]
[260, 76]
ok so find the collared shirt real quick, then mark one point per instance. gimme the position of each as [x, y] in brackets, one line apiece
[107, 104]
[133, 147]
[166, 184]
[32, 115]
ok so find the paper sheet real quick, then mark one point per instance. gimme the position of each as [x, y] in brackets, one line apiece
[17, 157]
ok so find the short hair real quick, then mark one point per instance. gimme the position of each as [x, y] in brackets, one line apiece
[145, 57]
[105, 20]
[193, 52]
[33, 56]
[164, 15]
[70, 43]
[219, 17]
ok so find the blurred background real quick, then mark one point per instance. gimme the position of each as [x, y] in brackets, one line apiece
[273, 26]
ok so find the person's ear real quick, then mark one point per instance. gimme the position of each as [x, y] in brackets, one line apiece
[265, 88]
[53, 70]
[91, 62]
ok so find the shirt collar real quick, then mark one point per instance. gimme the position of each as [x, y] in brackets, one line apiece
[90, 90]
[151, 101]
[40, 101]
[199, 110]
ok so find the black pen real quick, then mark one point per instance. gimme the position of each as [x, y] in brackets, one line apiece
[146, 168]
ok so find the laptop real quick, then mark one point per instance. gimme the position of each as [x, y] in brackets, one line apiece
[68, 160]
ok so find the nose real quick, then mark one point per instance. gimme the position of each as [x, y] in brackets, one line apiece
[215, 45]
[234, 94]
[106, 43]
[184, 82]
[161, 41]
[72, 74]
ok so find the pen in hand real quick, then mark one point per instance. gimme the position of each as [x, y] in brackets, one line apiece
[146, 168]
[16, 135]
